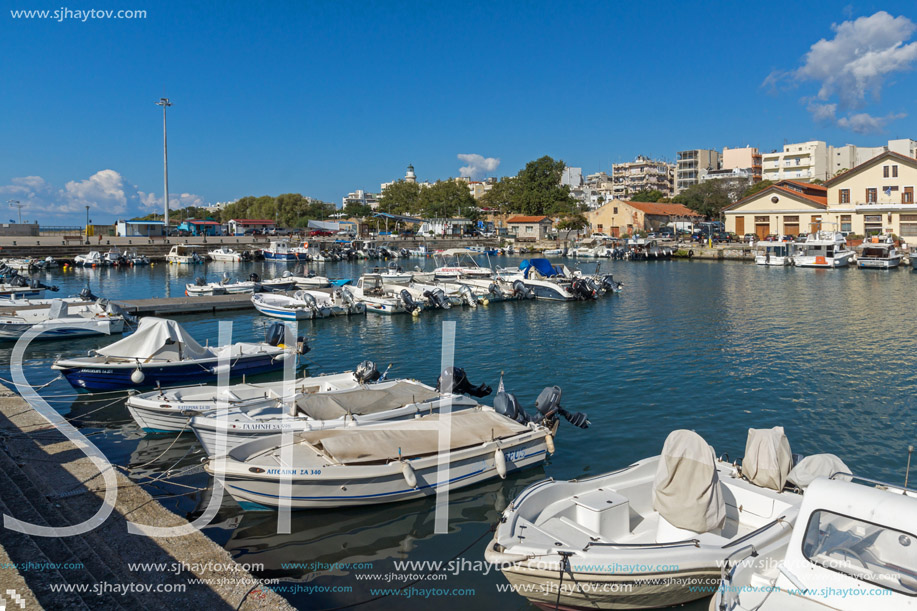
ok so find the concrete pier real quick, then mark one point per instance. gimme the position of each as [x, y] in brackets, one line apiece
[45, 479]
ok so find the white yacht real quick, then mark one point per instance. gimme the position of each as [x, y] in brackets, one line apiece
[226, 254]
[823, 248]
[183, 254]
[775, 253]
[852, 549]
[878, 252]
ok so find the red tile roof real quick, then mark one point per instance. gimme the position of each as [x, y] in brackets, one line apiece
[806, 185]
[253, 221]
[660, 209]
[819, 200]
[526, 219]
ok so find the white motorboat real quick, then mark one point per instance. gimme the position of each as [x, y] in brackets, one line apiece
[420, 251]
[234, 286]
[311, 281]
[553, 282]
[878, 252]
[382, 298]
[393, 274]
[823, 248]
[161, 353]
[201, 288]
[63, 320]
[852, 550]
[458, 263]
[654, 534]
[332, 409]
[774, 253]
[183, 254]
[285, 282]
[442, 295]
[227, 254]
[90, 259]
[307, 305]
[554, 252]
[132, 258]
[380, 463]
[113, 257]
[169, 410]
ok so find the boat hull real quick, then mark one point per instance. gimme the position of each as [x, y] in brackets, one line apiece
[74, 328]
[878, 263]
[356, 487]
[118, 376]
[285, 256]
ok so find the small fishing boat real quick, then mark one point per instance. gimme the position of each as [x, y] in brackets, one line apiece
[777, 254]
[310, 281]
[168, 410]
[13, 285]
[63, 320]
[285, 282]
[234, 286]
[184, 255]
[381, 298]
[554, 252]
[484, 250]
[201, 288]
[393, 274]
[333, 409]
[162, 353]
[280, 250]
[548, 281]
[132, 258]
[852, 549]
[91, 259]
[654, 534]
[308, 305]
[420, 251]
[459, 263]
[113, 257]
[227, 254]
[823, 248]
[878, 252]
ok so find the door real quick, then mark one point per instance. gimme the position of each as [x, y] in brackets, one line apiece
[816, 223]
[762, 230]
[740, 226]
[791, 229]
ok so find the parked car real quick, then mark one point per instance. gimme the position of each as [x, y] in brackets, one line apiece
[319, 233]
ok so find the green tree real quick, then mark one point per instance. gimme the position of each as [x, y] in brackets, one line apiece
[400, 197]
[758, 186]
[646, 195]
[501, 195]
[356, 210]
[447, 198]
[539, 192]
[707, 198]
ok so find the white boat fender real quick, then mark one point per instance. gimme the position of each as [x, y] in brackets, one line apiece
[549, 442]
[220, 369]
[416, 312]
[409, 476]
[137, 377]
[500, 463]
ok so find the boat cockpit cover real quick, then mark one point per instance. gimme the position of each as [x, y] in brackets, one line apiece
[542, 266]
[817, 465]
[159, 339]
[768, 458]
[687, 492]
[365, 400]
[389, 441]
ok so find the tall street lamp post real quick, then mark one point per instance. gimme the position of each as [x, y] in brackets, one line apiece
[165, 103]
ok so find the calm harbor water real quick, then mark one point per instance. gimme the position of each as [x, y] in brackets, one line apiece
[714, 347]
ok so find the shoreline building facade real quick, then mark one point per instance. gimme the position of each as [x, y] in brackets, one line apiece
[642, 174]
[690, 167]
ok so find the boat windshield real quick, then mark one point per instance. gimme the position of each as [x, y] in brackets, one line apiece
[873, 553]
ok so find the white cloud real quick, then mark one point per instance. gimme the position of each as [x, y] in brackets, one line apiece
[478, 165]
[853, 68]
[106, 192]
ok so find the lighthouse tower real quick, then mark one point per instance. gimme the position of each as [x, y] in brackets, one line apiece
[410, 176]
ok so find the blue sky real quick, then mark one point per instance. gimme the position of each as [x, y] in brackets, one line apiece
[323, 98]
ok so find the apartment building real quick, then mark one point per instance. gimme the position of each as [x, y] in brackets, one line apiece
[691, 165]
[747, 158]
[804, 161]
[362, 198]
[642, 174]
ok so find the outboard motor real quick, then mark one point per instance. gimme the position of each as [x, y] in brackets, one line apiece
[86, 295]
[366, 372]
[507, 405]
[439, 298]
[520, 291]
[274, 335]
[409, 304]
[454, 380]
[609, 284]
[548, 406]
[404, 252]
[468, 296]
[495, 290]
[199, 281]
[253, 277]
[582, 290]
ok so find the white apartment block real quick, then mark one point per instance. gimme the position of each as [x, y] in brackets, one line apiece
[362, 198]
[807, 161]
[642, 174]
[691, 165]
[572, 177]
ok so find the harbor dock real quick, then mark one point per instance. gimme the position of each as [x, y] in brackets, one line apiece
[48, 481]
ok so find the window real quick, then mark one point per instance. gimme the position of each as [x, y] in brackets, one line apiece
[869, 552]
[599, 226]
[894, 171]
[616, 210]
[885, 171]
[871, 196]
[873, 218]
[529, 229]
[791, 219]
[845, 196]
[907, 196]
[908, 229]
[846, 223]
[762, 219]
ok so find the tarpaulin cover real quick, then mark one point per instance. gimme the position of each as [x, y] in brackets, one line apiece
[768, 458]
[817, 465]
[687, 492]
[159, 339]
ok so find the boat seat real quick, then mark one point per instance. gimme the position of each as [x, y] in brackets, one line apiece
[565, 531]
[604, 512]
